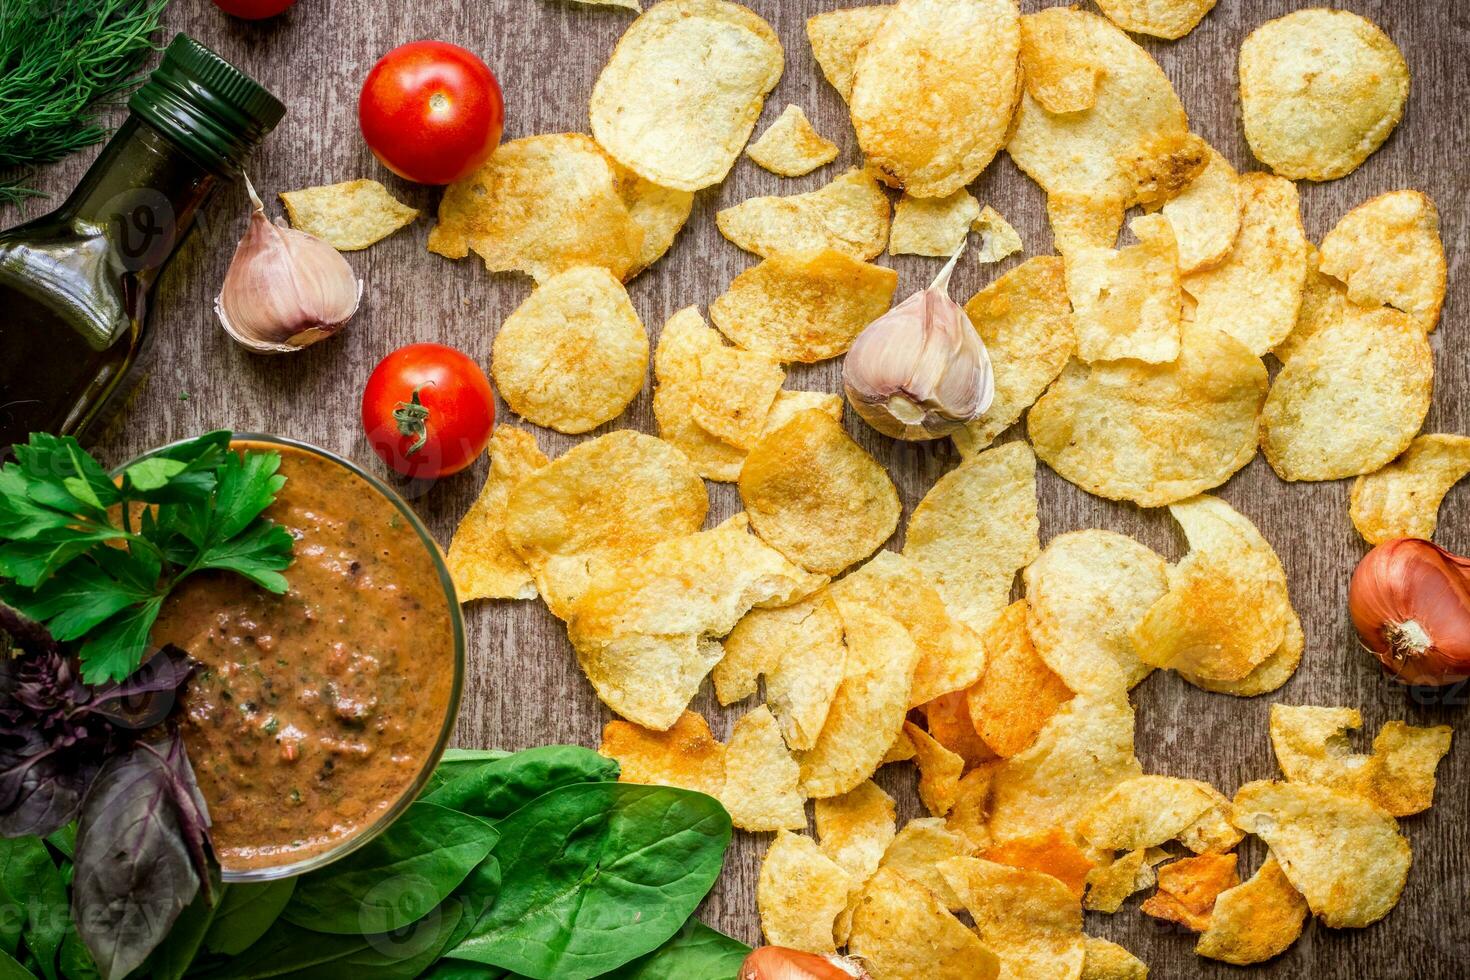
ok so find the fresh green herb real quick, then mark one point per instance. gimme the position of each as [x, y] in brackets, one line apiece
[93, 559]
[695, 951]
[502, 787]
[244, 915]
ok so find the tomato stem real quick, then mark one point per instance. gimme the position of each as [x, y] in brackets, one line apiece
[412, 417]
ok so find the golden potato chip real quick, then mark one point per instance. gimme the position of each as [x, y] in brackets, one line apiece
[902, 750]
[856, 828]
[1227, 606]
[970, 815]
[803, 306]
[1086, 590]
[1206, 215]
[1351, 398]
[932, 225]
[1269, 674]
[1320, 90]
[687, 755]
[648, 678]
[1110, 885]
[1254, 921]
[574, 354]
[660, 211]
[792, 146]
[541, 205]
[1146, 812]
[975, 529]
[1312, 747]
[1028, 918]
[1324, 303]
[814, 495]
[1062, 67]
[1168, 19]
[348, 216]
[838, 37]
[1083, 751]
[1026, 323]
[935, 89]
[1108, 961]
[480, 559]
[1019, 692]
[1255, 294]
[947, 719]
[868, 712]
[1188, 889]
[1388, 252]
[848, 215]
[761, 788]
[1080, 221]
[1345, 855]
[1402, 499]
[1050, 853]
[939, 771]
[616, 495]
[902, 931]
[917, 850]
[683, 90]
[789, 404]
[1126, 302]
[799, 894]
[951, 655]
[1154, 433]
[998, 239]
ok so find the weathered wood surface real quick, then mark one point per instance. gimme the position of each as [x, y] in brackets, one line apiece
[524, 687]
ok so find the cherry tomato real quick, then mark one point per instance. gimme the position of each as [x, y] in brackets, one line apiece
[428, 410]
[253, 9]
[431, 112]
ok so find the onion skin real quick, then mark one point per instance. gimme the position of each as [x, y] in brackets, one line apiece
[780, 963]
[1410, 603]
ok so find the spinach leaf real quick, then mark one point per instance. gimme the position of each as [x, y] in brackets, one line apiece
[171, 959]
[76, 962]
[500, 788]
[245, 913]
[696, 952]
[32, 901]
[10, 968]
[480, 889]
[397, 878]
[457, 762]
[596, 875]
[465, 970]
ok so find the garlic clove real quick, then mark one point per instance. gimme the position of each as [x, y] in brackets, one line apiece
[920, 371]
[285, 289]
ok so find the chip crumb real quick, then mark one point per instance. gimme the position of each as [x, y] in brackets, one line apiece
[1110, 885]
[348, 216]
[1206, 215]
[939, 771]
[1402, 499]
[850, 214]
[998, 240]
[791, 146]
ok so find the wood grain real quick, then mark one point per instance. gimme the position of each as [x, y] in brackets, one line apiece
[524, 686]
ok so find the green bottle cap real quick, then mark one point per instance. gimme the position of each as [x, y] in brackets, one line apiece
[211, 109]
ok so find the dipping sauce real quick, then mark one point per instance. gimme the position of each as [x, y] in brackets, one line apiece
[315, 711]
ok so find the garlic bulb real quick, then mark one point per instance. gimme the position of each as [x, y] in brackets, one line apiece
[920, 371]
[285, 289]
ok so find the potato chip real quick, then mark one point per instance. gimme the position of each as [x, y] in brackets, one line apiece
[1269, 674]
[799, 894]
[917, 850]
[1312, 747]
[932, 225]
[1402, 499]
[998, 240]
[1028, 918]
[814, 495]
[1083, 751]
[939, 771]
[1050, 853]
[1026, 323]
[856, 828]
[1146, 812]
[683, 90]
[1062, 66]
[1255, 294]
[947, 719]
[1154, 433]
[1019, 692]
[803, 306]
[1227, 606]
[574, 354]
[648, 678]
[970, 815]
[838, 37]
[935, 89]
[975, 529]
[541, 205]
[792, 146]
[480, 559]
[348, 216]
[1110, 885]
[789, 404]
[1351, 398]
[761, 779]
[1206, 215]
[1388, 252]
[868, 712]
[902, 750]
[902, 931]
[1320, 90]
[1345, 855]
[1254, 921]
[1126, 302]
[1324, 303]
[1168, 19]
[1108, 961]
[951, 655]
[1086, 590]
[1081, 221]
[1188, 889]
[687, 755]
[660, 211]
[616, 495]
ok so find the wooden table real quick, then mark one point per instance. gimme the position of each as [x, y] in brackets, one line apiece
[524, 687]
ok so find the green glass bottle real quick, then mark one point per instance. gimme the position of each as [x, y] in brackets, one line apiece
[74, 283]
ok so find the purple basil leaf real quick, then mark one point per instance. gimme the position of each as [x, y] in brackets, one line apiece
[41, 793]
[193, 813]
[147, 696]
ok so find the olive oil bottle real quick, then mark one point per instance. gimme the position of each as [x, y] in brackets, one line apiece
[74, 283]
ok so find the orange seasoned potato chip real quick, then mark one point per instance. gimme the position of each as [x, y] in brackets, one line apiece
[1402, 499]
[687, 755]
[1206, 215]
[935, 226]
[997, 238]
[838, 37]
[761, 788]
[934, 91]
[939, 771]
[1051, 853]
[849, 215]
[348, 216]
[480, 559]
[1320, 90]
[1168, 19]
[1388, 252]
[1030, 919]
[1019, 692]
[799, 894]
[683, 90]
[1254, 921]
[917, 850]
[947, 719]
[1188, 889]
[803, 306]
[792, 146]
[1126, 303]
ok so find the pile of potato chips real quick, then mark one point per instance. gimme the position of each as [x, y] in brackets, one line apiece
[1139, 369]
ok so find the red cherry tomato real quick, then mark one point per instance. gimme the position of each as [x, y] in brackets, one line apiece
[431, 112]
[253, 9]
[428, 410]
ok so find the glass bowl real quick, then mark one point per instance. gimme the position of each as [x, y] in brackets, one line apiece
[446, 730]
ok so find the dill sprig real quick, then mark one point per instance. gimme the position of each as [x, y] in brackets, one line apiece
[60, 60]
